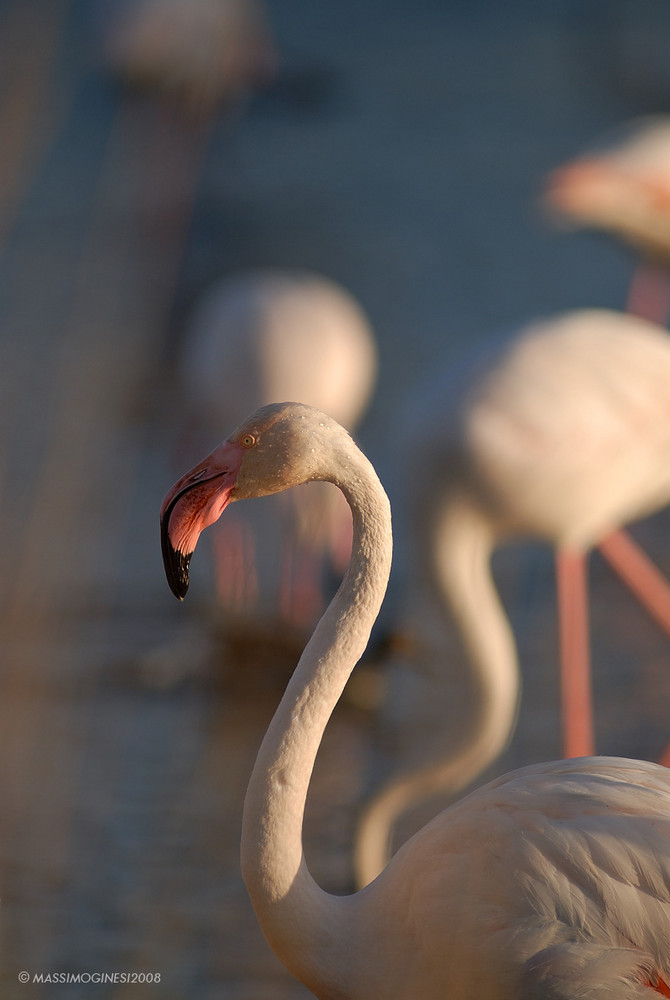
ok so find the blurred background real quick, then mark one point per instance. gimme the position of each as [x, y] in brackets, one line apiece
[397, 147]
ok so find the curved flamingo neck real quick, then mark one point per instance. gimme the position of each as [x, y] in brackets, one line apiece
[304, 925]
[458, 564]
[464, 542]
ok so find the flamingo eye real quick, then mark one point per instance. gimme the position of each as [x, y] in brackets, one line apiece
[248, 441]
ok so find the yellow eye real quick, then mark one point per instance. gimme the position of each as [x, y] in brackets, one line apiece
[248, 441]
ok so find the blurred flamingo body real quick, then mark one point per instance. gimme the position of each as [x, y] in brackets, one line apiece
[186, 67]
[203, 55]
[550, 881]
[560, 433]
[623, 188]
[265, 334]
[263, 331]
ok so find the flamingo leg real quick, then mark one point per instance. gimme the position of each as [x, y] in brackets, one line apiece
[638, 572]
[285, 582]
[300, 595]
[648, 584]
[649, 293]
[576, 704]
[234, 565]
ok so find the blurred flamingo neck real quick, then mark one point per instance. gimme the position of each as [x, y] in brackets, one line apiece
[458, 568]
[463, 545]
[303, 924]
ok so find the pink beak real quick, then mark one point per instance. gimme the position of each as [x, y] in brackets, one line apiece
[195, 502]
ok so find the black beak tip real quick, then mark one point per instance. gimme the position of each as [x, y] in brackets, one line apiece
[176, 566]
[176, 570]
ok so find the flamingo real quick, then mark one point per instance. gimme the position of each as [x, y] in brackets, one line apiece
[201, 54]
[186, 67]
[561, 433]
[262, 334]
[551, 881]
[623, 188]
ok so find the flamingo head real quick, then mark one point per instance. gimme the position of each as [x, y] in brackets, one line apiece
[273, 450]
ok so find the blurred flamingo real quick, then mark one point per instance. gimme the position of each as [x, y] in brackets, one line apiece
[622, 187]
[187, 67]
[561, 433]
[201, 55]
[266, 334]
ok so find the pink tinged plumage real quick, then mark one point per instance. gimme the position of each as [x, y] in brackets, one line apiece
[659, 985]
[550, 882]
[623, 188]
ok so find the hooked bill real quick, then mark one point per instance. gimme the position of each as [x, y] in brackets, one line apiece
[193, 503]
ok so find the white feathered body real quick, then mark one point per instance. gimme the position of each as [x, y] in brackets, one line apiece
[545, 880]
[267, 335]
[562, 431]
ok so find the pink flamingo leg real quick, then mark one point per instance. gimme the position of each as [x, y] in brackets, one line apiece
[300, 596]
[576, 705]
[307, 588]
[639, 574]
[234, 565]
[340, 545]
[648, 584]
[285, 582]
[649, 294]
